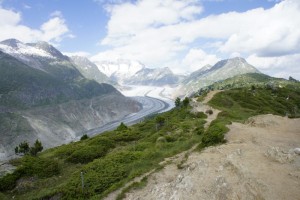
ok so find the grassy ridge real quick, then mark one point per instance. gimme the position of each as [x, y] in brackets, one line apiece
[107, 161]
[239, 104]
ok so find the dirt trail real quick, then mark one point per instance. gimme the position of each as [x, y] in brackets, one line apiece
[181, 157]
[258, 162]
[203, 107]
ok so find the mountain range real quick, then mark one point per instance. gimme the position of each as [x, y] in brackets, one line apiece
[55, 98]
[44, 96]
[127, 72]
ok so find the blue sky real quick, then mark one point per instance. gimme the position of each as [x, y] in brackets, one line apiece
[181, 34]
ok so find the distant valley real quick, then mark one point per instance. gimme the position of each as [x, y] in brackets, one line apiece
[55, 98]
[44, 96]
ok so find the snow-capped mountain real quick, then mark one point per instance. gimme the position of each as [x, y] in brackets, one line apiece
[220, 71]
[158, 77]
[88, 69]
[44, 93]
[128, 72]
[119, 70]
[20, 50]
[32, 54]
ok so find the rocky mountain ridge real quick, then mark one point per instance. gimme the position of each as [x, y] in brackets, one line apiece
[44, 96]
[220, 71]
[89, 70]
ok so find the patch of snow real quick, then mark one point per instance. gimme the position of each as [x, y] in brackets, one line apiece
[23, 49]
[119, 68]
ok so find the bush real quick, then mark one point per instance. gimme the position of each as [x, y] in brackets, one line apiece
[122, 127]
[30, 166]
[199, 130]
[8, 182]
[200, 115]
[84, 137]
[40, 167]
[186, 102]
[215, 134]
[87, 154]
[210, 112]
[126, 136]
[95, 148]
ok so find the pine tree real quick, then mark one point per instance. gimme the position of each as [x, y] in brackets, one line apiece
[186, 101]
[177, 102]
[36, 148]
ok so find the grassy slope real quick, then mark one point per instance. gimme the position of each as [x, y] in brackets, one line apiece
[22, 86]
[241, 103]
[108, 160]
[246, 80]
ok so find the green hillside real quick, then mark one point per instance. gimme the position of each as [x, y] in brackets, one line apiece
[238, 104]
[108, 160]
[22, 86]
[246, 80]
[111, 159]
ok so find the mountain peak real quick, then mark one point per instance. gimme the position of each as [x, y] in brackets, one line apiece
[238, 59]
[48, 48]
[237, 63]
[11, 42]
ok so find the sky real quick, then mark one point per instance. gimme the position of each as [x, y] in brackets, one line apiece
[183, 35]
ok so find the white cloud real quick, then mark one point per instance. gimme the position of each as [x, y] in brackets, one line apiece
[272, 32]
[26, 6]
[282, 66]
[53, 30]
[56, 13]
[128, 20]
[8, 17]
[147, 30]
[159, 32]
[197, 58]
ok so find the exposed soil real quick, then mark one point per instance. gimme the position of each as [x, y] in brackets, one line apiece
[181, 157]
[257, 162]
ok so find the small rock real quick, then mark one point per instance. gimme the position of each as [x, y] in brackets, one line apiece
[297, 151]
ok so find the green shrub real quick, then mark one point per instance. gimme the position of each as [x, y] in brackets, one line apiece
[87, 154]
[8, 182]
[126, 136]
[214, 134]
[40, 167]
[84, 137]
[122, 127]
[30, 166]
[200, 115]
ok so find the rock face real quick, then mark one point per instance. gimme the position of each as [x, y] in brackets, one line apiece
[44, 96]
[89, 70]
[258, 162]
[220, 71]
